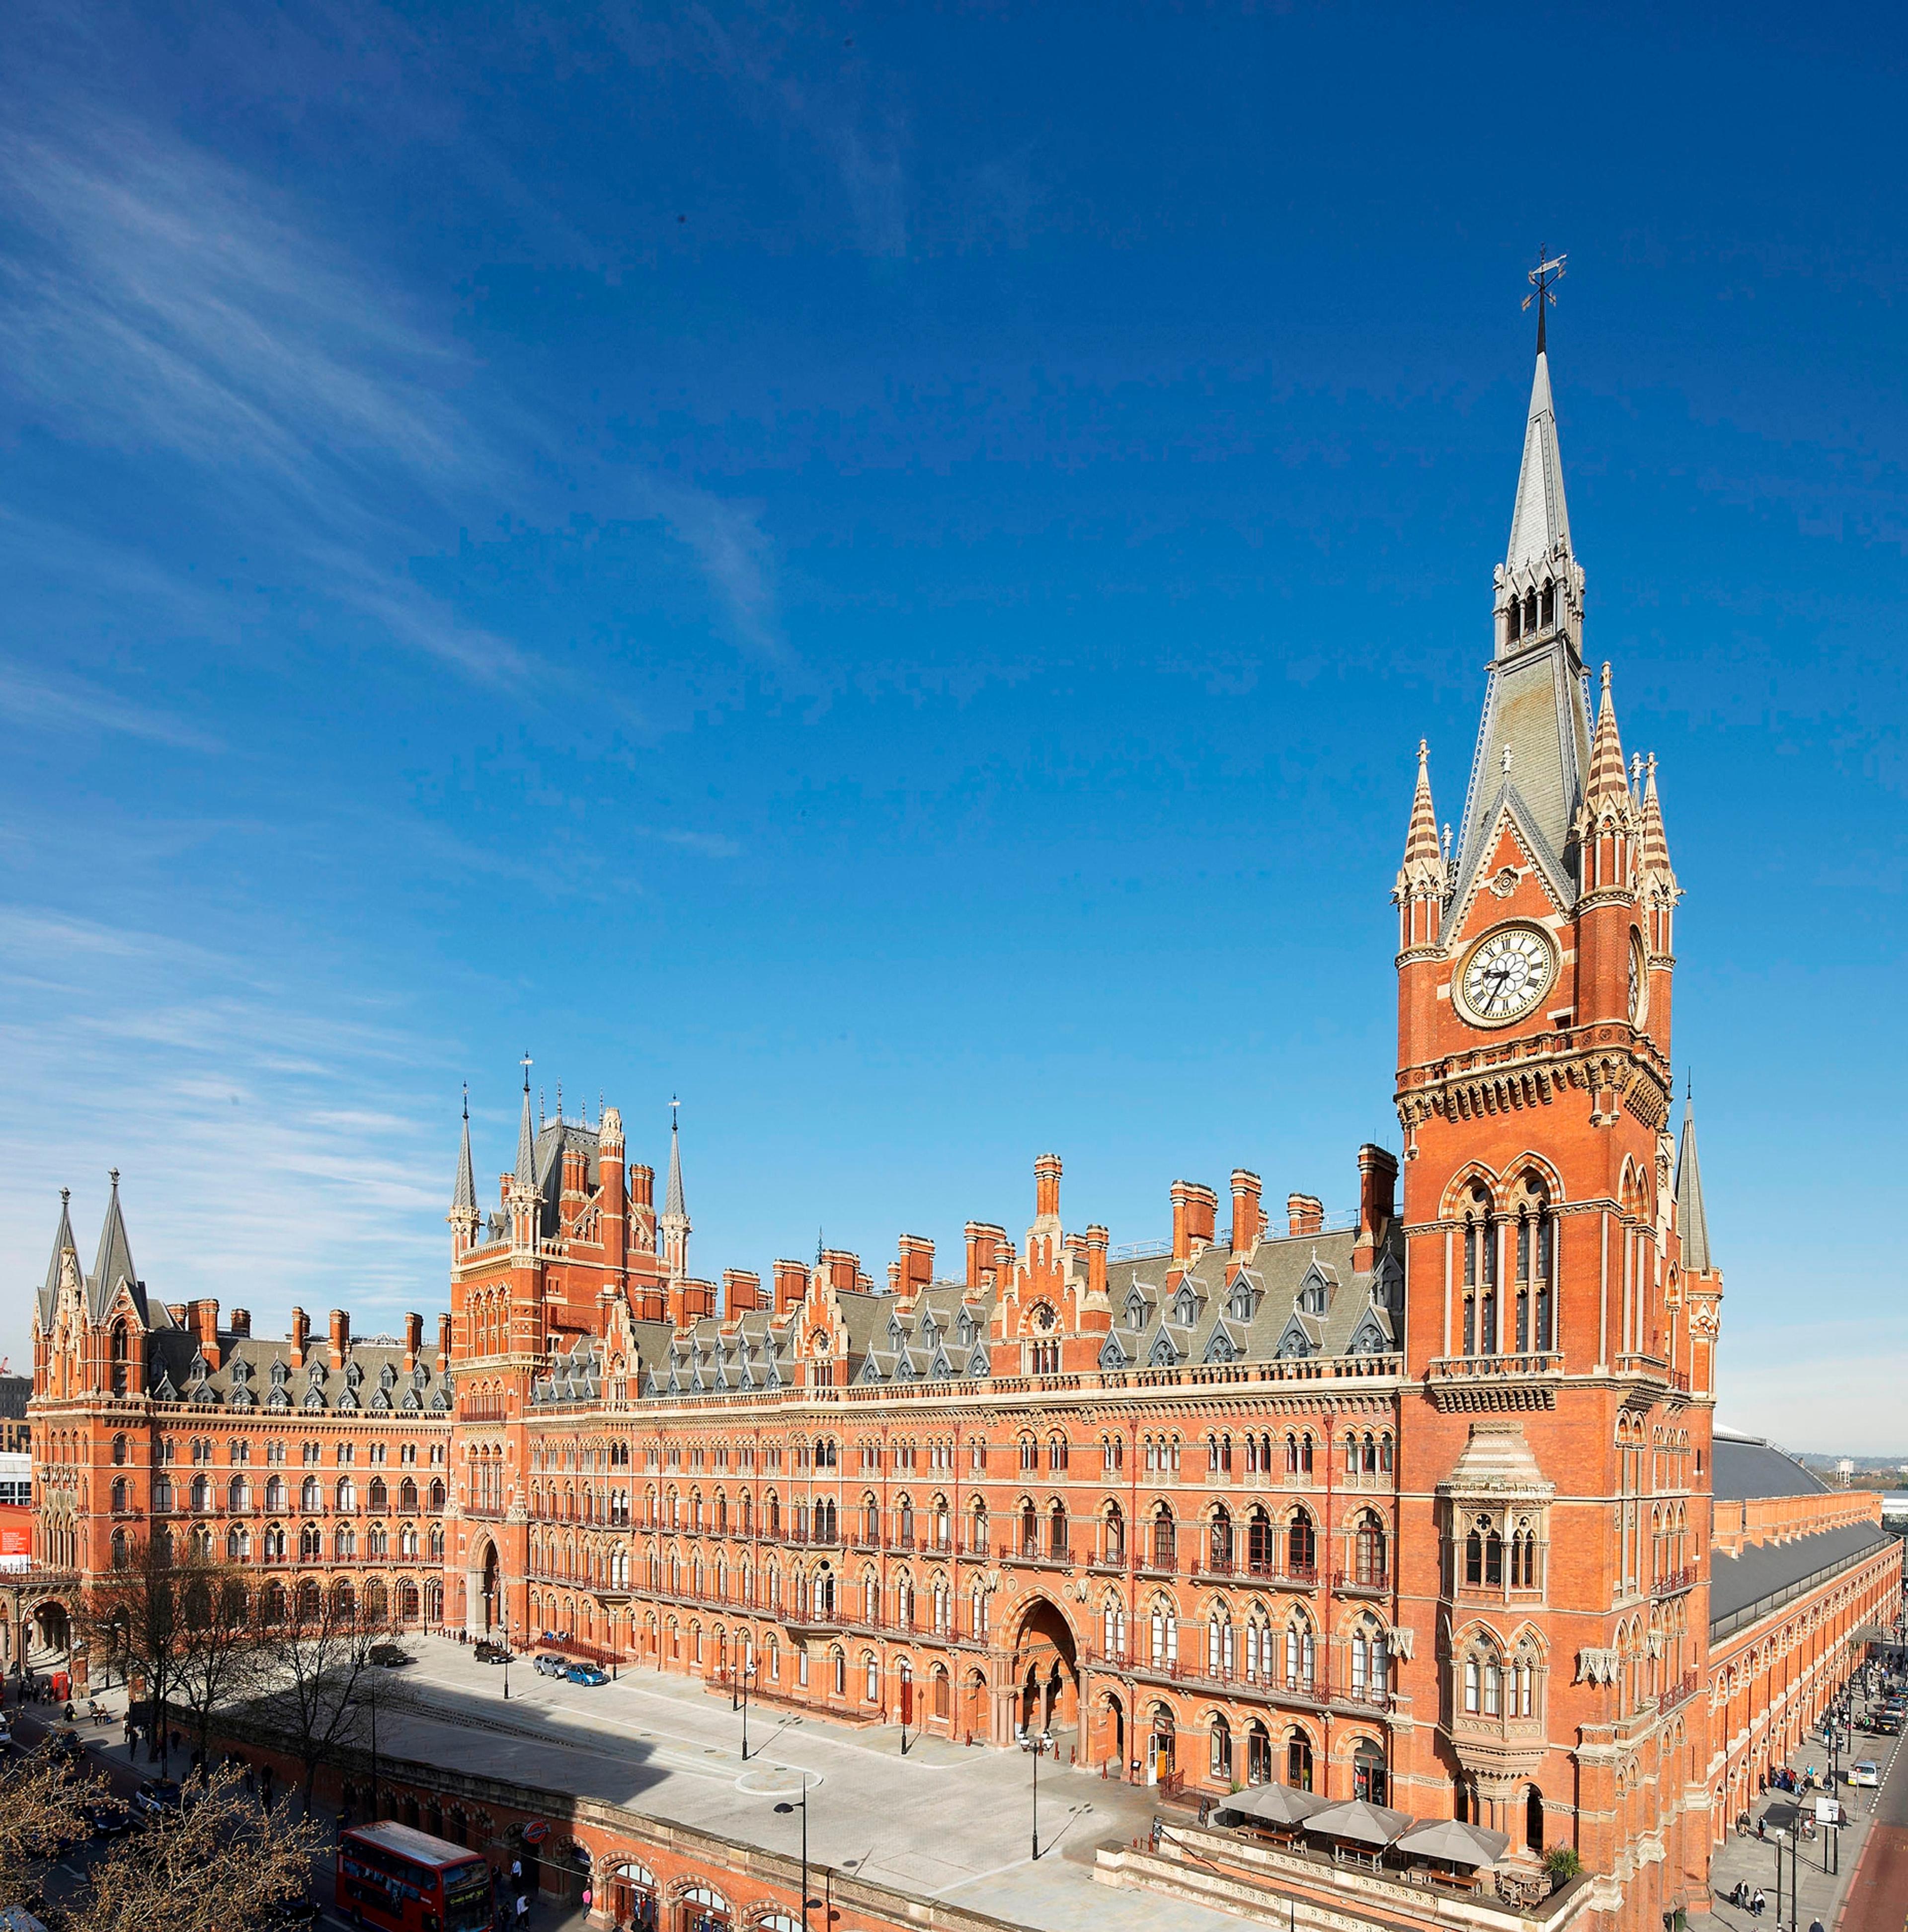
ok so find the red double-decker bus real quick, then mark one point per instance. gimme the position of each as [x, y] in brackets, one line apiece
[407, 1881]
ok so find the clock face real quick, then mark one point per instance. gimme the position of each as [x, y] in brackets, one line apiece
[1507, 972]
[1638, 985]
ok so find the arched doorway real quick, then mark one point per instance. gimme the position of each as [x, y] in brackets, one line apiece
[482, 1595]
[1046, 1675]
[1534, 1821]
[1162, 1745]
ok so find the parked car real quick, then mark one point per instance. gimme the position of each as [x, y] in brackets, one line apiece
[66, 1744]
[300, 1916]
[586, 1673]
[488, 1652]
[1863, 1772]
[547, 1666]
[108, 1817]
[156, 1797]
[389, 1656]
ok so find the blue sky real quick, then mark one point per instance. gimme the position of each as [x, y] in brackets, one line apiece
[883, 571]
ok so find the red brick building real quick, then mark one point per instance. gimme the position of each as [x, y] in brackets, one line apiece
[1416, 1508]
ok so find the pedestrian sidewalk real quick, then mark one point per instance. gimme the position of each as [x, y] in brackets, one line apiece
[1822, 1871]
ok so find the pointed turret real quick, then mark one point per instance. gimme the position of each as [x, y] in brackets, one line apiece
[1655, 853]
[112, 1268]
[524, 1173]
[1609, 788]
[64, 1245]
[1534, 741]
[1691, 1221]
[1424, 877]
[464, 1194]
[674, 1223]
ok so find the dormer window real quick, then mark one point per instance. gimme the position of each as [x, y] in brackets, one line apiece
[1311, 1297]
[1135, 1313]
[1185, 1308]
[1242, 1303]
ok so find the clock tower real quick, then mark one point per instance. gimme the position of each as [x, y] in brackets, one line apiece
[1557, 1461]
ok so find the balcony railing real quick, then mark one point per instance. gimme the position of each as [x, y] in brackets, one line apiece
[1673, 1582]
[1375, 1583]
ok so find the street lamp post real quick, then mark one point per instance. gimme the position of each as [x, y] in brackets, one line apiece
[785, 1809]
[1037, 1748]
[506, 1660]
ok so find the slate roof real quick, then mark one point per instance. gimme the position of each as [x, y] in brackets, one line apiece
[1744, 1588]
[1298, 1295]
[255, 1374]
[941, 1336]
[1743, 1467]
[1692, 1221]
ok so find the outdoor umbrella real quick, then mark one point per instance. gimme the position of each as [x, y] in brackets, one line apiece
[1455, 1843]
[1278, 1804]
[1363, 1824]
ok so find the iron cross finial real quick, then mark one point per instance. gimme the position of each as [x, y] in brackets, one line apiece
[1547, 271]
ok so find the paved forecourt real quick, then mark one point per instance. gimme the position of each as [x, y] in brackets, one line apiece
[944, 1821]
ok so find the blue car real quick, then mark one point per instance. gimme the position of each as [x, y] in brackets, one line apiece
[586, 1673]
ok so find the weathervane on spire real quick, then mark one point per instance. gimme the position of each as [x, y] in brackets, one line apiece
[1540, 278]
[527, 1064]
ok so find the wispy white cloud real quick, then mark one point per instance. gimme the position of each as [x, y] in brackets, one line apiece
[29, 699]
[273, 1147]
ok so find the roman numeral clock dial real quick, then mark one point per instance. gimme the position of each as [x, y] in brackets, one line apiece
[1505, 974]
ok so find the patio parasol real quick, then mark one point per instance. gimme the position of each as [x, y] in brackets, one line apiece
[1363, 1824]
[1454, 1843]
[1277, 1805]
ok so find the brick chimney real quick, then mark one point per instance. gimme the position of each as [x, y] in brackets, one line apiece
[741, 1291]
[1248, 1214]
[574, 1169]
[205, 1324]
[341, 1337]
[413, 1340]
[917, 1263]
[791, 1285]
[1378, 1180]
[181, 1313]
[1305, 1213]
[842, 1269]
[443, 1341]
[1046, 1188]
[300, 1336]
[238, 1323]
[611, 1197]
[642, 1208]
[1096, 1260]
[690, 1300]
[988, 1251]
[1195, 1211]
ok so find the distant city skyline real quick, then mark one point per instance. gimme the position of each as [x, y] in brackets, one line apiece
[891, 590]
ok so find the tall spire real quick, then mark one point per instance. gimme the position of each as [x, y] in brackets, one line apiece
[464, 1196]
[524, 1174]
[1533, 702]
[1691, 1221]
[1540, 519]
[673, 1202]
[674, 1223]
[1424, 877]
[1421, 836]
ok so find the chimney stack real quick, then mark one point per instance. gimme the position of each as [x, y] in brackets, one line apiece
[987, 1248]
[1097, 1261]
[842, 1269]
[1046, 1188]
[1195, 1210]
[239, 1321]
[341, 1337]
[917, 1263]
[791, 1285]
[443, 1342]
[1377, 1179]
[300, 1336]
[413, 1340]
[1248, 1214]
[205, 1322]
[1305, 1213]
[741, 1291]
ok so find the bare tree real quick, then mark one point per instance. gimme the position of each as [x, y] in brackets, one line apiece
[220, 1865]
[137, 1614]
[321, 1651]
[40, 1816]
[229, 1648]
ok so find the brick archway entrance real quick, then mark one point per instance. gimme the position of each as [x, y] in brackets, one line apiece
[1043, 1684]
